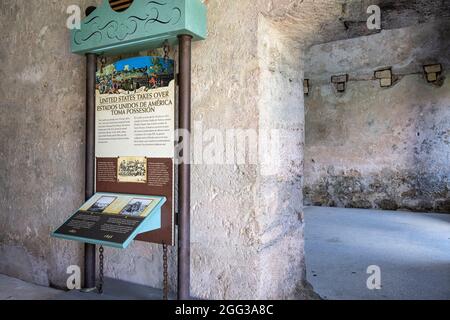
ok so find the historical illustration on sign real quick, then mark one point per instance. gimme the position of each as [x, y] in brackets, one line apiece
[113, 218]
[135, 105]
[136, 207]
[135, 137]
[132, 169]
[135, 75]
[101, 204]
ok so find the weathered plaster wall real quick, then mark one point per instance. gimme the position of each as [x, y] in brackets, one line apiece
[41, 139]
[279, 210]
[247, 229]
[379, 148]
[247, 224]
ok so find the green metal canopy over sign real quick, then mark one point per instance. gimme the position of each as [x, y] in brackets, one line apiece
[146, 24]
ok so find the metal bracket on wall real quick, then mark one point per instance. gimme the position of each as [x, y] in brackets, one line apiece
[340, 82]
[385, 76]
[432, 72]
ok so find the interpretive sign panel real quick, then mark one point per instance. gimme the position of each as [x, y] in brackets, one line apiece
[113, 219]
[135, 134]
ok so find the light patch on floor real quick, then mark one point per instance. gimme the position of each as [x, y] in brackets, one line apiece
[412, 250]
[15, 289]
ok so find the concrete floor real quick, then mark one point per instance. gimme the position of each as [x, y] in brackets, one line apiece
[412, 250]
[14, 289]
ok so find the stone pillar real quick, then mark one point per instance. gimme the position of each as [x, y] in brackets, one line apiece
[280, 181]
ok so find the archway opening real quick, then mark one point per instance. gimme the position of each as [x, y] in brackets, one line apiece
[376, 136]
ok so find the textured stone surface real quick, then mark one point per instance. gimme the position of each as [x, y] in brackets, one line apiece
[379, 148]
[247, 220]
[41, 139]
[247, 239]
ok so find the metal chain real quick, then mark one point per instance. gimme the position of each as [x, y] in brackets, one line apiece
[101, 264]
[101, 250]
[165, 273]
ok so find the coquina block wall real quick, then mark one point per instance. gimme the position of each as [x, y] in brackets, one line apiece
[374, 147]
[247, 220]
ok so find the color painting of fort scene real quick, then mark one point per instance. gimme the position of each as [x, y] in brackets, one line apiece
[135, 75]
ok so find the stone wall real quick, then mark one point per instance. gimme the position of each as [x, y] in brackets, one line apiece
[373, 147]
[41, 139]
[247, 218]
[247, 228]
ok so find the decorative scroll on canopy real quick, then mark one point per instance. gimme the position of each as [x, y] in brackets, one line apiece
[145, 24]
